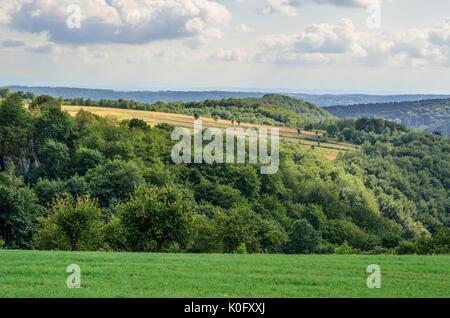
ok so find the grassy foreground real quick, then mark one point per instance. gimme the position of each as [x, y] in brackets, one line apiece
[43, 274]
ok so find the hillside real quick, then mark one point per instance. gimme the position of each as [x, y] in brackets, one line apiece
[119, 179]
[270, 109]
[330, 149]
[430, 115]
[321, 100]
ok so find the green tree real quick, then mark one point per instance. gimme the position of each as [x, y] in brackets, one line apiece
[74, 224]
[86, 159]
[303, 239]
[19, 210]
[76, 186]
[155, 218]
[4, 92]
[15, 125]
[114, 181]
[54, 158]
[138, 124]
[45, 102]
[238, 227]
[313, 213]
[206, 237]
[54, 124]
[48, 190]
[340, 231]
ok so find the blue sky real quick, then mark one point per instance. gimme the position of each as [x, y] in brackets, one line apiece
[300, 45]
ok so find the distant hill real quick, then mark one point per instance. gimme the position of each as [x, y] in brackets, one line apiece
[431, 115]
[271, 109]
[139, 96]
[329, 100]
[194, 96]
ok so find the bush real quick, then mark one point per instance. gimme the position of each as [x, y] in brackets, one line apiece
[437, 244]
[115, 235]
[206, 238]
[345, 249]
[239, 226]
[406, 248]
[340, 231]
[241, 249]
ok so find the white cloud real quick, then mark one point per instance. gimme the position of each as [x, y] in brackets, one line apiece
[290, 7]
[285, 7]
[326, 38]
[440, 33]
[317, 38]
[349, 3]
[342, 44]
[243, 28]
[7, 7]
[12, 43]
[234, 55]
[116, 21]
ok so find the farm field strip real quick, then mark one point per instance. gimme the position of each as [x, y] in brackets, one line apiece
[187, 121]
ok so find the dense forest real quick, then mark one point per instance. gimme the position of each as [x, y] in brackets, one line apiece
[430, 115]
[91, 183]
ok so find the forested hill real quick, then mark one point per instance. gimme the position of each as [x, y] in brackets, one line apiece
[271, 109]
[431, 115]
[321, 100]
[117, 180]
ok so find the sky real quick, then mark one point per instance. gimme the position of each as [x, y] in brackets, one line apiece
[315, 46]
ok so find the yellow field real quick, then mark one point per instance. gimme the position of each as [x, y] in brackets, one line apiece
[329, 150]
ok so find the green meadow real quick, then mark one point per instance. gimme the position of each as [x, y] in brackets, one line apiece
[43, 274]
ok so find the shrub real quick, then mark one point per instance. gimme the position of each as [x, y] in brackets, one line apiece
[206, 238]
[406, 248]
[345, 249]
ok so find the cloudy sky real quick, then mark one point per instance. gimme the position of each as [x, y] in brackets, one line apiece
[373, 46]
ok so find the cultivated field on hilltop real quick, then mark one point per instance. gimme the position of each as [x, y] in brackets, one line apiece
[43, 274]
[330, 150]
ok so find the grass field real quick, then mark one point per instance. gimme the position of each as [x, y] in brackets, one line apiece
[43, 274]
[330, 150]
